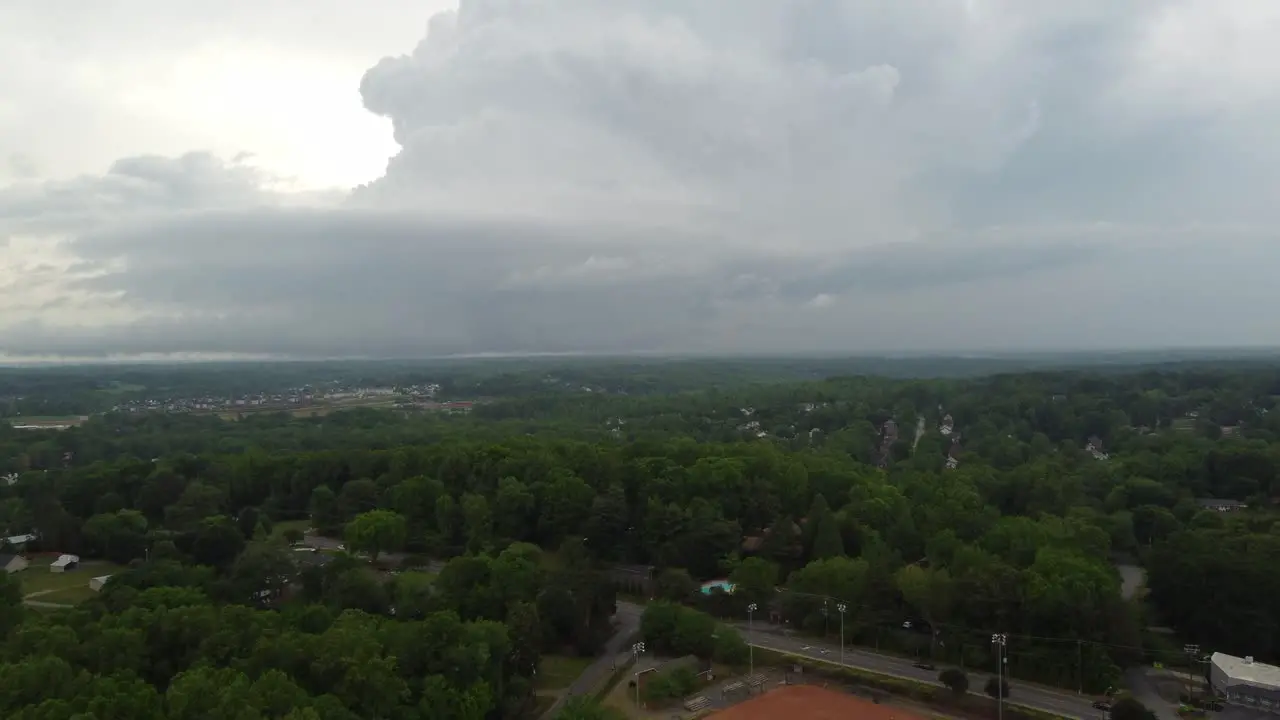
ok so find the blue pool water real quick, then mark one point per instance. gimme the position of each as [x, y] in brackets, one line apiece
[722, 585]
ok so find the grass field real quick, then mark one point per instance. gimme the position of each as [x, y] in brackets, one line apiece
[280, 528]
[68, 596]
[38, 579]
[557, 672]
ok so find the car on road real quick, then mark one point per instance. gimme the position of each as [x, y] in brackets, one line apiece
[1101, 705]
[924, 666]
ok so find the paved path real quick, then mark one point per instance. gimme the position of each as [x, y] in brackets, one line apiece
[628, 619]
[1059, 702]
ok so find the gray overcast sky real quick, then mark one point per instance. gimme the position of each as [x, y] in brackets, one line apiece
[404, 178]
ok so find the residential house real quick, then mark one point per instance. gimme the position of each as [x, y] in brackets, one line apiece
[1221, 505]
[1095, 448]
[13, 563]
[64, 563]
[953, 455]
[947, 425]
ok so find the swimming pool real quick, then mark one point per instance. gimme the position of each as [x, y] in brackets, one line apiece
[722, 585]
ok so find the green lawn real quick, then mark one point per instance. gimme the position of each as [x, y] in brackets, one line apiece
[557, 672]
[38, 578]
[279, 529]
[68, 596]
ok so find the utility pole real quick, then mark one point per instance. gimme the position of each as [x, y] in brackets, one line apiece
[1080, 663]
[751, 648]
[999, 640]
[1193, 653]
[841, 608]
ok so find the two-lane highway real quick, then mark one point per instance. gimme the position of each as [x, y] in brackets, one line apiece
[1059, 702]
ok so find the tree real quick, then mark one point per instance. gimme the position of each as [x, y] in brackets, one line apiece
[477, 521]
[996, 687]
[675, 585]
[955, 680]
[754, 580]
[197, 502]
[375, 532]
[827, 542]
[11, 609]
[1127, 707]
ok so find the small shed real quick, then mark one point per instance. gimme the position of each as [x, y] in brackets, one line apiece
[97, 583]
[12, 563]
[64, 563]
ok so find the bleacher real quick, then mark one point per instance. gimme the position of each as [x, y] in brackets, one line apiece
[755, 681]
[697, 704]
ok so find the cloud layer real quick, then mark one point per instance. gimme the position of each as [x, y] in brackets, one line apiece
[730, 175]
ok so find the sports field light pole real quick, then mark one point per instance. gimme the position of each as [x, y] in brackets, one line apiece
[637, 649]
[751, 649]
[999, 640]
[841, 607]
[1192, 652]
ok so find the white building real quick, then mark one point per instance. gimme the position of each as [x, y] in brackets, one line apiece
[1243, 682]
[64, 563]
[97, 583]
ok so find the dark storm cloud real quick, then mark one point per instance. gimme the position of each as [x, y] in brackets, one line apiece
[724, 175]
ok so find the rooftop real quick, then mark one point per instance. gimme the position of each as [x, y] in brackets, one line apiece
[811, 703]
[1243, 670]
[1215, 502]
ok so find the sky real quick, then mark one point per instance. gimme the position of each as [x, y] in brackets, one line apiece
[413, 178]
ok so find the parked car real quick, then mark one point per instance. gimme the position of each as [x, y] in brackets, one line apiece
[1101, 705]
[925, 666]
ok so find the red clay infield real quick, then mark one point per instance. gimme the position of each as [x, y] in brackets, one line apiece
[809, 702]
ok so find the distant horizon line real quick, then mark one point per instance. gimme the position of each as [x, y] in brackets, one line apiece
[1223, 352]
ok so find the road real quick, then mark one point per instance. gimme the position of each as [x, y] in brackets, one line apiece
[1059, 702]
[1132, 577]
[628, 621]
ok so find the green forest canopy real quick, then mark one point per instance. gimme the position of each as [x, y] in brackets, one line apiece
[1010, 521]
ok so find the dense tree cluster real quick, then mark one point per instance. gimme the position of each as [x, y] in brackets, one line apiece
[168, 639]
[987, 504]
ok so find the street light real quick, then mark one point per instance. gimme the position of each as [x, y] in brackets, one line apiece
[999, 640]
[751, 631]
[637, 649]
[841, 608]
